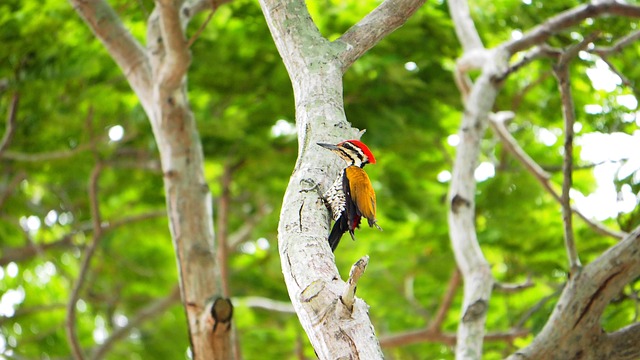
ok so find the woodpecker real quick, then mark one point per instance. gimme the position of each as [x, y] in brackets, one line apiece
[351, 196]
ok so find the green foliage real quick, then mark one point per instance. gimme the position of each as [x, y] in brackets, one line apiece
[402, 91]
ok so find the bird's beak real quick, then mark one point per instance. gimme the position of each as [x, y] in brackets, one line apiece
[328, 146]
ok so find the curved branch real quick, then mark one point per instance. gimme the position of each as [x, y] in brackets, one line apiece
[573, 329]
[480, 98]
[511, 145]
[11, 123]
[430, 335]
[542, 32]
[380, 22]
[146, 313]
[177, 58]
[70, 321]
[464, 26]
[121, 45]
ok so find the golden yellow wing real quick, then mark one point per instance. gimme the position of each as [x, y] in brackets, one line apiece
[362, 193]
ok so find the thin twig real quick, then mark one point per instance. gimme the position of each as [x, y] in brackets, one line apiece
[11, 123]
[11, 186]
[70, 323]
[266, 304]
[618, 45]
[447, 300]
[535, 308]
[561, 71]
[23, 253]
[222, 233]
[196, 35]
[507, 288]
[510, 144]
[146, 313]
[426, 335]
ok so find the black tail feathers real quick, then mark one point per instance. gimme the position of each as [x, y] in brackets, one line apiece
[339, 228]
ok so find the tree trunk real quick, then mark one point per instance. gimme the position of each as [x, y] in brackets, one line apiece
[337, 328]
[158, 76]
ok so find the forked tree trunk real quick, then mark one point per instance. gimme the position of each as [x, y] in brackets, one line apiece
[158, 76]
[338, 328]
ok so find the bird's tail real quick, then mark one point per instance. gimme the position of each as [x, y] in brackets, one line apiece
[339, 228]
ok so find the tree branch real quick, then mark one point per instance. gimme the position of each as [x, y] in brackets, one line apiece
[429, 335]
[177, 58]
[513, 288]
[266, 304]
[15, 181]
[478, 280]
[618, 45]
[121, 45]
[70, 321]
[573, 329]
[574, 16]
[349, 293]
[447, 300]
[561, 71]
[11, 123]
[465, 28]
[497, 123]
[380, 22]
[148, 312]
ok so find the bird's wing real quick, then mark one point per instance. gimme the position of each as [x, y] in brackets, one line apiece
[362, 192]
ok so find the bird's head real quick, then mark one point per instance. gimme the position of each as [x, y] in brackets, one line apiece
[354, 152]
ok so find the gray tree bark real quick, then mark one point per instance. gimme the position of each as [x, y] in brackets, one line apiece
[337, 329]
[573, 331]
[157, 74]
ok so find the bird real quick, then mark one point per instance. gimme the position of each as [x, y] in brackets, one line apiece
[351, 196]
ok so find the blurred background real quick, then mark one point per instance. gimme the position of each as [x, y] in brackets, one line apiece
[74, 108]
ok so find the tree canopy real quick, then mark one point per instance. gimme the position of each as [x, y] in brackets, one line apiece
[77, 138]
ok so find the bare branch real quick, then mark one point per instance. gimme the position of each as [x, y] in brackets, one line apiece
[222, 233]
[513, 288]
[473, 56]
[267, 304]
[60, 154]
[17, 254]
[539, 305]
[123, 47]
[561, 71]
[70, 321]
[380, 22]
[195, 36]
[191, 8]
[24, 253]
[511, 145]
[539, 34]
[478, 280]
[618, 45]
[148, 312]
[349, 293]
[465, 28]
[623, 343]
[573, 329]
[6, 193]
[447, 300]
[625, 80]
[428, 335]
[177, 58]
[11, 123]
[34, 309]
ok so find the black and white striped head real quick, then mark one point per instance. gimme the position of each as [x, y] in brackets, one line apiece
[354, 152]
